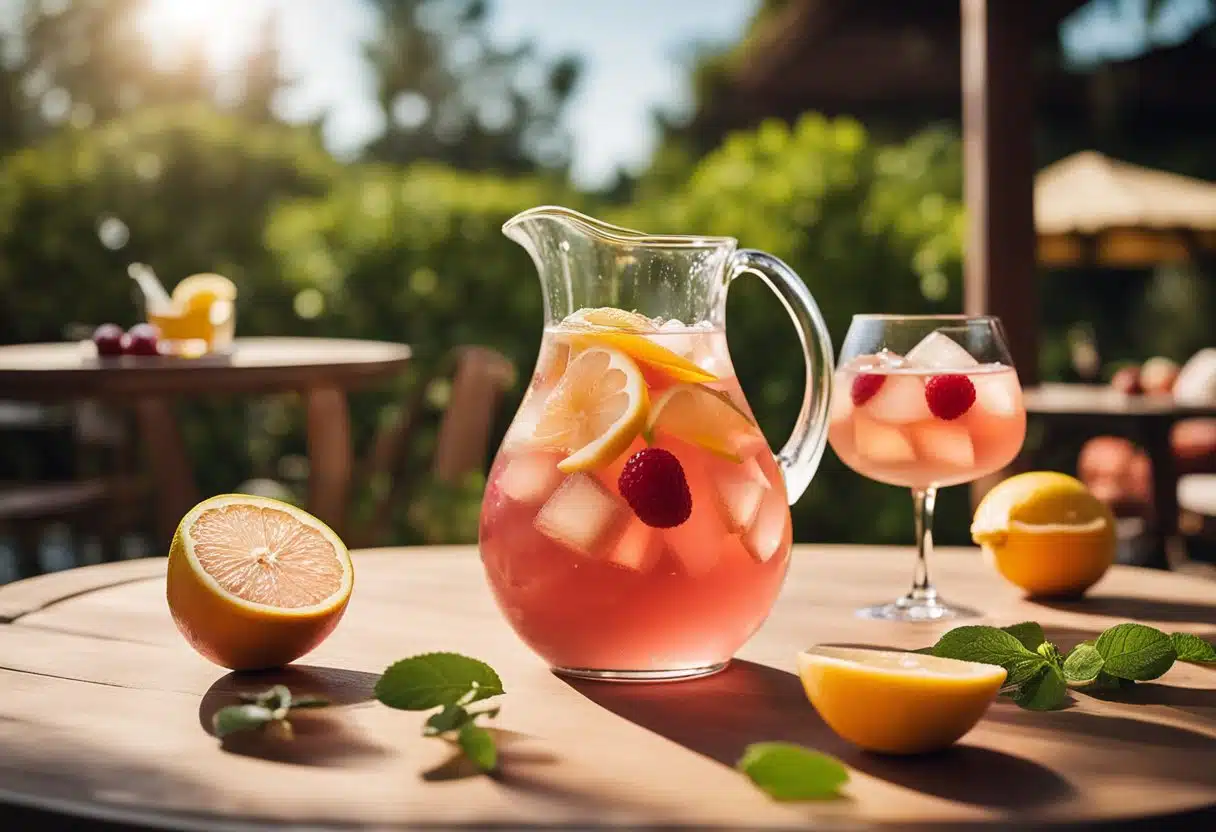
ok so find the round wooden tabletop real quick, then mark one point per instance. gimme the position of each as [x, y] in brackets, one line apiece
[104, 713]
[73, 370]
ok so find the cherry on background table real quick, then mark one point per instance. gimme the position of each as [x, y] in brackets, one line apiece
[323, 370]
[103, 713]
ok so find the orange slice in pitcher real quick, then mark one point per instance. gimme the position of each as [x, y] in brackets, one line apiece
[705, 417]
[254, 582]
[645, 351]
[596, 410]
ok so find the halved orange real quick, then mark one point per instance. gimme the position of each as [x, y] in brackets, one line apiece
[256, 583]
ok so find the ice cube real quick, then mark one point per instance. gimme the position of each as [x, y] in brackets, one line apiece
[884, 444]
[937, 351]
[523, 427]
[531, 478]
[942, 443]
[768, 533]
[697, 543]
[739, 490]
[638, 548]
[998, 393]
[900, 400]
[581, 514]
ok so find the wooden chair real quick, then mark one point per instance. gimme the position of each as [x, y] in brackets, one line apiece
[480, 376]
[103, 501]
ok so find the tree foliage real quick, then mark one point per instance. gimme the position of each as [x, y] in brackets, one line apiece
[449, 94]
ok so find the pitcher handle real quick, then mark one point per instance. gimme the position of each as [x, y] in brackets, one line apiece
[800, 456]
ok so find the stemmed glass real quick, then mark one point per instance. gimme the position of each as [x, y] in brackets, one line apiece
[925, 402]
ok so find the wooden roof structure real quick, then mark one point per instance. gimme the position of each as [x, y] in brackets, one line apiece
[891, 57]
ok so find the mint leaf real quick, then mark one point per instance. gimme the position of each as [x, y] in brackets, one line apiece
[1193, 649]
[1030, 633]
[234, 718]
[1044, 692]
[1106, 682]
[790, 772]
[1135, 651]
[1083, 665]
[989, 645]
[1049, 652]
[449, 719]
[478, 746]
[434, 680]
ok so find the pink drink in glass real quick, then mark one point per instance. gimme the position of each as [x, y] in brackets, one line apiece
[883, 423]
[586, 583]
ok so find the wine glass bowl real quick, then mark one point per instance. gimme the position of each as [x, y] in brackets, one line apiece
[925, 402]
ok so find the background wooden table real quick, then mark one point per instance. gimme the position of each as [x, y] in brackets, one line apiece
[324, 370]
[104, 712]
[1146, 419]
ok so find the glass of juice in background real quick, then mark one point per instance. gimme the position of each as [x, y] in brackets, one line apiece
[924, 403]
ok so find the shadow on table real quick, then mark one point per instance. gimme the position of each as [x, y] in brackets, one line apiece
[1127, 608]
[720, 715]
[320, 736]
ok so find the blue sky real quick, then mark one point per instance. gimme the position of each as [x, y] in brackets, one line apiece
[632, 52]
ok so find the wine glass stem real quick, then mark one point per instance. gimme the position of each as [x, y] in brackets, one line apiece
[923, 500]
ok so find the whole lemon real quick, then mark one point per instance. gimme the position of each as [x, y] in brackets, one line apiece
[1046, 533]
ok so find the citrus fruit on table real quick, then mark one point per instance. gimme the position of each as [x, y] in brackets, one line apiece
[256, 583]
[1046, 533]
[895, 702]
[597, 409]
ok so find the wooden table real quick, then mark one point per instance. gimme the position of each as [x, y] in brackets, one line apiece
[104, 713]
[322, 369]
[1146, 419]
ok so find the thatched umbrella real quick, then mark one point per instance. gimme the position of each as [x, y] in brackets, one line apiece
[1093, 210]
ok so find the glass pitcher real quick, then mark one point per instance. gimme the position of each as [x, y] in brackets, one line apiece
[635, 524]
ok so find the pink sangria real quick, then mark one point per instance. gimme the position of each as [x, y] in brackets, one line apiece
[636, 525]
[945, 409]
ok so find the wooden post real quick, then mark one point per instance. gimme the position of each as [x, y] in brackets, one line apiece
[998, 162]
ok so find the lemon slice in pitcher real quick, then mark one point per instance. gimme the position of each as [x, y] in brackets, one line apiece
[199, 291]
[705, 417]
[609, 317]
[596, 410]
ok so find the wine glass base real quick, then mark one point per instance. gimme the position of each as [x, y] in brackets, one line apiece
[913, 608]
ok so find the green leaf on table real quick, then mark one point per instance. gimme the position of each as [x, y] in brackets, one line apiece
[790, 772]
[1030, 633]
[1083, 665]
[478, 746]
[1049, 652]
[246, 717]
[435, 680]
[1193, 649]
[989, 645]
[1135, 651]
[1044, 692]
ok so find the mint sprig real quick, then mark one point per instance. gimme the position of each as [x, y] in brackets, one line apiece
[1193, 649]
[790, 772]
[265, 711]
[1038, 675]
[450, 682]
